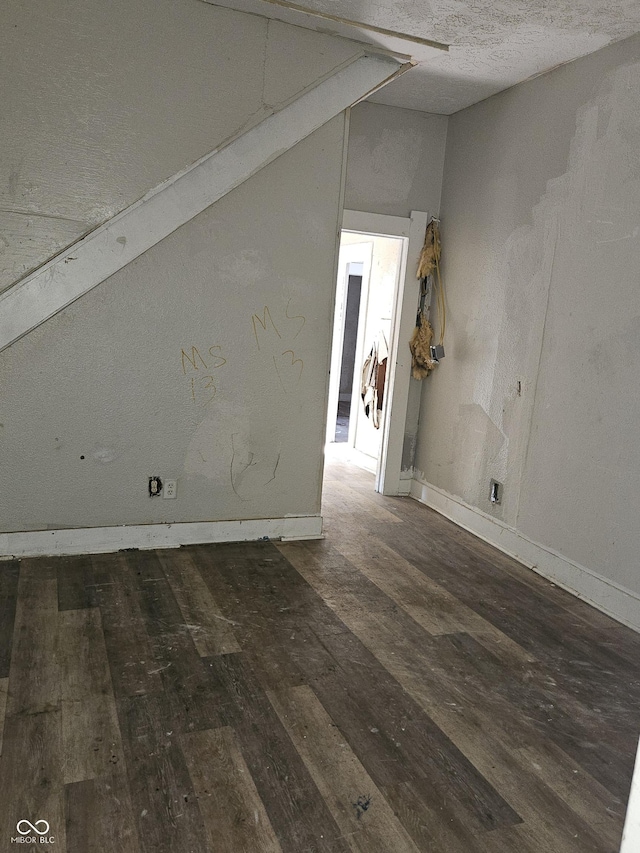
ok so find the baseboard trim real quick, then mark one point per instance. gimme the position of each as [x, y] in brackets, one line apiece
[103, 540]
[611, 598]
[404, 487]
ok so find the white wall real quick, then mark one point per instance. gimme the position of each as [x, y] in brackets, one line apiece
[103, 101]
[395, 160]
[101, 396]
[541, 237]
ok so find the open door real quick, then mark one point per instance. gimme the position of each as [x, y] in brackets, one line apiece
[375, 324]
[383, 251]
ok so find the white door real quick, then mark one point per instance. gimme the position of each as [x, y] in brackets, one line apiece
[375, 325]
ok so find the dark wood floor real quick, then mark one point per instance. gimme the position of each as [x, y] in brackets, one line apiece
[399, 686]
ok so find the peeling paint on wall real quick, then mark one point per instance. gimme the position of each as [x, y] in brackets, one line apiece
[554, 305]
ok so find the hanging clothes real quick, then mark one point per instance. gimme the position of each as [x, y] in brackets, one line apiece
[374, 372]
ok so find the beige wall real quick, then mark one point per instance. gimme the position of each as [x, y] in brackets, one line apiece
[541, 235]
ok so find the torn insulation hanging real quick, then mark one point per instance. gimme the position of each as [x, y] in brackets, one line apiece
[420, 345]
[425, 356]
[430, 254]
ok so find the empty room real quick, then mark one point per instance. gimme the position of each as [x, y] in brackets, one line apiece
[319, 405]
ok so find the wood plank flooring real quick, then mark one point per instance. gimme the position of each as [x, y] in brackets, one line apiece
[399, 686]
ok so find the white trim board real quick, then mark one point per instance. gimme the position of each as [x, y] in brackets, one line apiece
[104, 540]
[398, 384]
[616, 601]
[116, 243]
[376, 223]
[404, 487]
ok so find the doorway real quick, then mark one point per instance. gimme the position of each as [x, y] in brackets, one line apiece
[369, 269]
[353, 284]
[393, 442]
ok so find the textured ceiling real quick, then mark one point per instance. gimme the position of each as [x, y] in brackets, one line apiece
[493, 43]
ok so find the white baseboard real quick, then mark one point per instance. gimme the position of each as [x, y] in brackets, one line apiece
[616, 601]
[404, 486]
[101, 540]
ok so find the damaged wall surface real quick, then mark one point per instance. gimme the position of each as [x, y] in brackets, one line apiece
[541, 248]
[395, 160]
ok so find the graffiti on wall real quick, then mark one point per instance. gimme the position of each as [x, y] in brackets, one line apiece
[200, 370]
[276, 342]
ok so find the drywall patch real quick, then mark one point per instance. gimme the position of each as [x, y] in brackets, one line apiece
[246, 270]
[209, 451]
[397, 186]
[104, 454]
[254, 466]
[408, 451]
[225, 450]
[470, 469]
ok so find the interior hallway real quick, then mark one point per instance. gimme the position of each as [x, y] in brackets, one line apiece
[399, 686]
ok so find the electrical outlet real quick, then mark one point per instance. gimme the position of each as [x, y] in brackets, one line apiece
[495, 492]
[170, 489]
[155, 487]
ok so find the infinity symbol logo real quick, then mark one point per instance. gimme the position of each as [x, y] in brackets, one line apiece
[33, 827]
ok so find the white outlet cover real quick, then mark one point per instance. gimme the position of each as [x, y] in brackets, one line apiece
[169, 489]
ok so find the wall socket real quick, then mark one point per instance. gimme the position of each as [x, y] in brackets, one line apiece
[155, 487]
[495, 492]
[170, 489]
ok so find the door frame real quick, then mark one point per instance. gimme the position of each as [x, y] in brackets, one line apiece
[405, 305]
[345, 260]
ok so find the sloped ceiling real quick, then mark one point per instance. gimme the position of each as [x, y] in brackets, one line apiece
[493, 44]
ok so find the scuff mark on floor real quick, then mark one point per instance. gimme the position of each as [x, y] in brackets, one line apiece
[362, 804]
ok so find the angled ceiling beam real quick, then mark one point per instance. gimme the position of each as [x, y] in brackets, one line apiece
[349, 22]
[116, 243]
